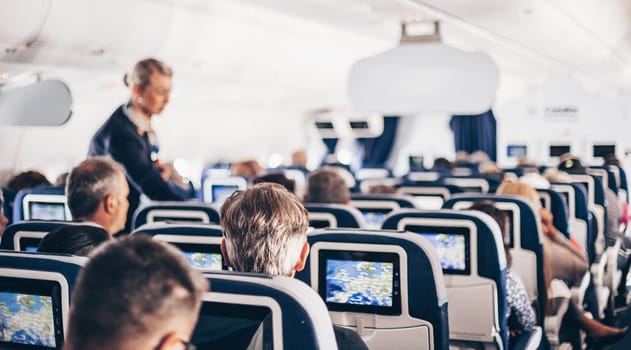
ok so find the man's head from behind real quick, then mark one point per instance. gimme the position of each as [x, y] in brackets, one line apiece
[135, 293]
[325, 185]
[265, 230]
[97, 191]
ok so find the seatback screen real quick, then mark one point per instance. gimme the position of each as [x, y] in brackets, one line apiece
[603, 151]
[374, 216]
[557, 151]
[519, 151]
[233, 326]
[30, 314]
[47, 211]
[221, 192]
[452, 245]
[202, 256]
[354, 281]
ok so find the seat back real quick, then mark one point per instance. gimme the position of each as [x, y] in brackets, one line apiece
[217, 189]
[41, 203]
[556, 204]
[35, 292]
[175, 211]
[200, 243]
[323, 215]
[468, 183]
[289, 314]
[375, 207]
[428, 195]
[526, 242]
[26, 235]
[386, 286]
[474, 267]
[580, 218]
[596, 204]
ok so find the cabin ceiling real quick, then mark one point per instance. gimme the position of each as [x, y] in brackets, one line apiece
[583, 39]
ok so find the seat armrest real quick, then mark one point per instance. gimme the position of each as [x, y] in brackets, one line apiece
[560, 295]
[578, 292]
[529, 341]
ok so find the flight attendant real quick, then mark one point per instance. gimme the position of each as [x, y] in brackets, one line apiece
[128, 138]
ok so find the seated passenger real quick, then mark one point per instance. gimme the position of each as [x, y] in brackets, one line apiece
[3, 219]
[265, 231]
[248, 169]
[77, 240]
[565, 261]
[27, 179]
[278, 178]
[325, 185]
[97, 192]
[135, 293]
[519, 313]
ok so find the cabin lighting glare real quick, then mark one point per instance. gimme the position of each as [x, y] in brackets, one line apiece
[275, 160]
[183, 167]
[344, 156]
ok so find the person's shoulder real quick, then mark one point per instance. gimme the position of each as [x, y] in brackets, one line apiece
[347, 339]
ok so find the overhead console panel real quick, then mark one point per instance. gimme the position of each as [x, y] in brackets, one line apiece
[422, 75]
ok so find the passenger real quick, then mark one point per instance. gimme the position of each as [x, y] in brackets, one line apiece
[27, 179]
[135, 293]
[77, 240]
[442, 165]
[382, 189]
[97, 192]
[299, 159]
[248, 169]
[325, 185]
[3, 220]
[265, 231]
[564, 261]
[519, 313]
[128, 137]
[278, 178]
[567, 260]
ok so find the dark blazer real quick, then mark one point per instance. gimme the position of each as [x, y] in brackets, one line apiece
[120, 139]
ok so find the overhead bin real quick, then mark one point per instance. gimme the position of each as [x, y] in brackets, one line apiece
[43, 103]
[424, 75]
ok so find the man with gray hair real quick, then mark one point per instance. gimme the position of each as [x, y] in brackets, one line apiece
[135, 293]
[97, 192]
[265, 231]
[326, 185]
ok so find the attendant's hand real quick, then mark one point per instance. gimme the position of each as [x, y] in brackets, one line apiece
[165, 171]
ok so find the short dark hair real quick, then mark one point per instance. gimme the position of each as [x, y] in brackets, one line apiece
[27, 179]
[128, 290]
[278, 178]
[325, 185]
[73, 239]
[89, 182]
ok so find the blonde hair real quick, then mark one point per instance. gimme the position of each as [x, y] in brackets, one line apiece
[520, 189]
[143, 70]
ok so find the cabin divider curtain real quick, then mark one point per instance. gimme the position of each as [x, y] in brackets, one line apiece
[475, 133]
[377, 150]
[330, 145]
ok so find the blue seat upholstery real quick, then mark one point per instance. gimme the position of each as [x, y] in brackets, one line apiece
[578, 208]
[175, 211]
[476, 184]
[397, 201]
[7, 204]
[44, 195]
[484, 320]
[179, 229]
[423, 317]
[26, 235]
[51, 275]
[334, 215]
[555, 203]
[526, 241]
[232, 311]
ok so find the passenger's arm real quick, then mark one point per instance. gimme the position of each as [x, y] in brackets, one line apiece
[519, 304]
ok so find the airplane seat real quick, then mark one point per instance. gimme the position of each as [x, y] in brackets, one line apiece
[474, 268]
[525, 239]
[200, 243]
[269, 312]
[428, 195]
[175, 211]
[473, 184]
[8, 196]
[365, 185]
[424, 176]
[554, 202]
[411, 312]
[215, 189]
[323, 215]
[41, 203]
[47, 280]
[375, 207]
[26, 235]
